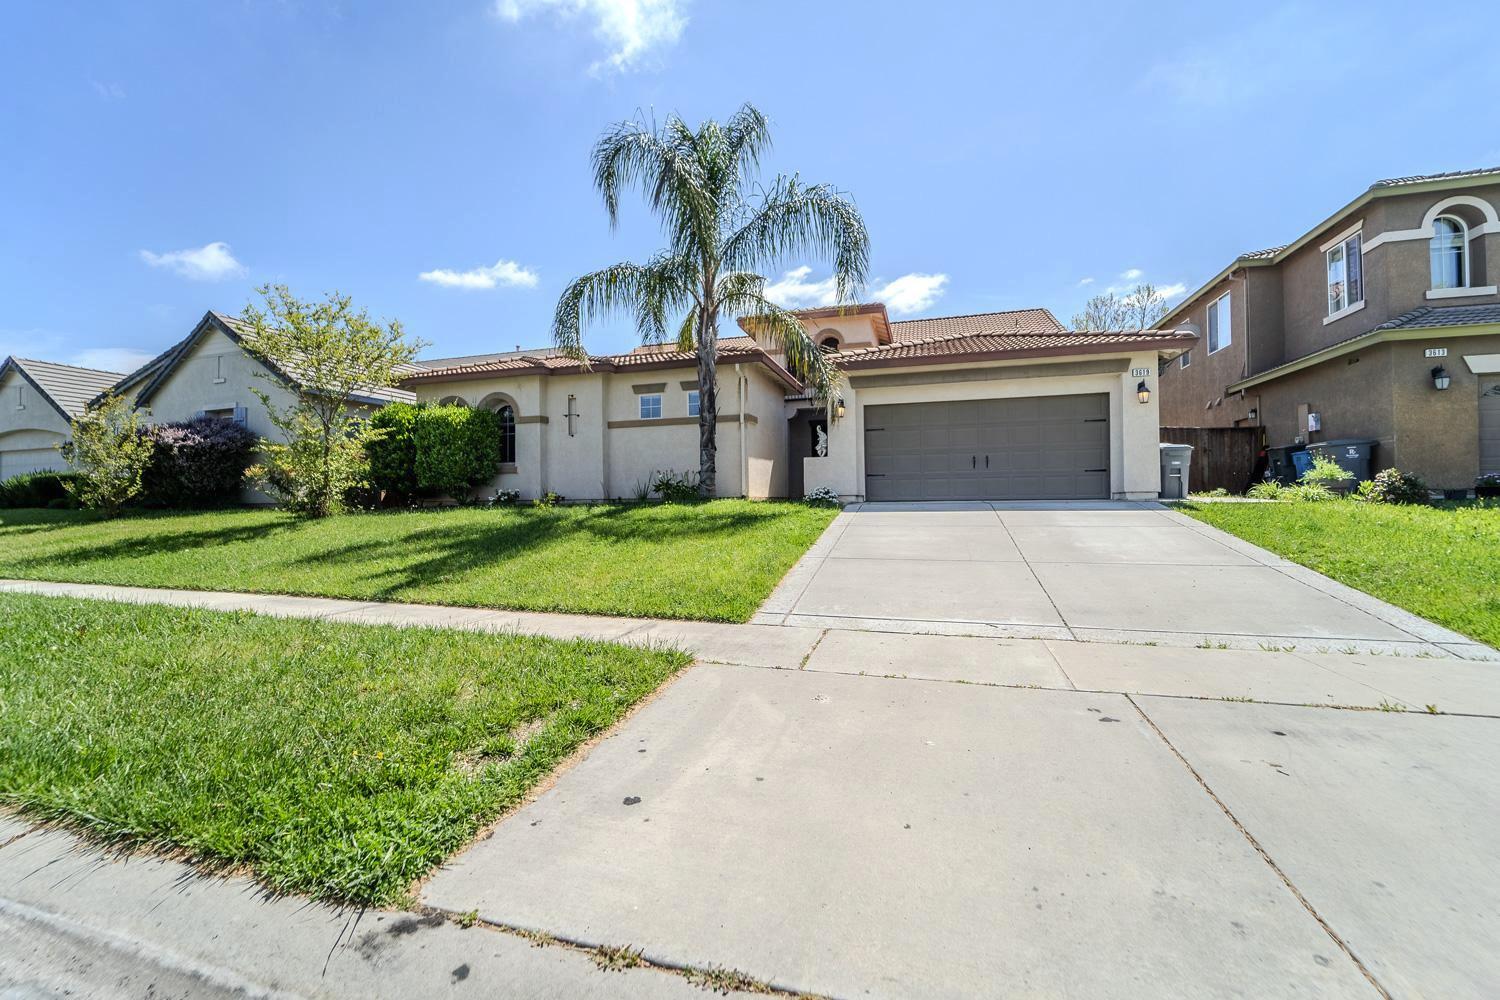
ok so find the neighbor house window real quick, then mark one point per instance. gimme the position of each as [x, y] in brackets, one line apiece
[694, 406]
[223, 413]
[651, 407]
[1346, 283]
[1219, 336]
[1449, 252]
[1187, 359]
[507, 415]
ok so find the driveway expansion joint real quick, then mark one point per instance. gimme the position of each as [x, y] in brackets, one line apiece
[1264, 854]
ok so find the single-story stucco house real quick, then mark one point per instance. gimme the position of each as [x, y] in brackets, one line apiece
[38, 400]
[1003, 405]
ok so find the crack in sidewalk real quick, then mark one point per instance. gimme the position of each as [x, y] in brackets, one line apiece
[1264, 854]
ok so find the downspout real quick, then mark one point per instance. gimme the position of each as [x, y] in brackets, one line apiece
[740, 387]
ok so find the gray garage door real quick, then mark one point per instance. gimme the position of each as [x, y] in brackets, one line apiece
[1037, 448]
[1489, 425]
[15, 462]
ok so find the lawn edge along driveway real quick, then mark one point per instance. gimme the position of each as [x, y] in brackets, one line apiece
[339, 760]
[713, 561]
[1436, 562]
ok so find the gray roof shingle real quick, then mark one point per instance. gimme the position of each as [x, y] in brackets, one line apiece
[1448, 176]
[1429, 317]
[69, 386]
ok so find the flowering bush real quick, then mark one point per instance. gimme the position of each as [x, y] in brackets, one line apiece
[506, 498]
[823, 496]
[197, 463]
[1392, 486]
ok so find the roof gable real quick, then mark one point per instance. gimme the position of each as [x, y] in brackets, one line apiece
[69, 389]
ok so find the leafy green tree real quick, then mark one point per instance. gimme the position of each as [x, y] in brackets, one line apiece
[721, 230]
[328, 354]
[110, 455]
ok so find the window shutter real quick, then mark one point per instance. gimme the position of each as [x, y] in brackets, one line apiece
[241, 415]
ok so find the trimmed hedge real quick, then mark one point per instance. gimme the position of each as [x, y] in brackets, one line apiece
[37, 489]
[434, 449]
[197, 463]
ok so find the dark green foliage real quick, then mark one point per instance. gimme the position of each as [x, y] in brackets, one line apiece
[393, 457]
[676, 487]
[1393, 486]
[197, 463]
[37, 489]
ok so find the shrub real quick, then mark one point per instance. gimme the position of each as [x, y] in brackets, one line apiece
[198, 462]
[1393, 486]
[1270, 489]
[1308, 493]
[823, 496]
[393, 455]
[37, 489]
[506, 498]
[1325, 472]
[310, 473]
[110, 455]
[676, 487]
[456, 448]
[548, 499]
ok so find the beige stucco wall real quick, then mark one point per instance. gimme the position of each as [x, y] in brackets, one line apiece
[600, 461]
[1134, 460]
[217, 374]
[30, 429]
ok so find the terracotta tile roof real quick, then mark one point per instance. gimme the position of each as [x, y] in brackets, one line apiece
[1007, 321]
[68, 386]
[956, 347]
[1448, 176]
[731, 349]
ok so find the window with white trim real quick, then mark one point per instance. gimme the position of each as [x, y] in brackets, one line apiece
[651, 406]
[1186, 360]
[1219, 336]
[1449, 251]
[693, 403]
[1346, 280]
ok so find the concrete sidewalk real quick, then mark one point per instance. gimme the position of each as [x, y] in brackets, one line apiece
[1279, 675]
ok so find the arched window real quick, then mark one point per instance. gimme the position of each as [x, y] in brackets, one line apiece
[507, 415]
[828, 340]
[1449, 250]
[453, 401]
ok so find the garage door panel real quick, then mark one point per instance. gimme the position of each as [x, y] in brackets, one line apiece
[1051, 447]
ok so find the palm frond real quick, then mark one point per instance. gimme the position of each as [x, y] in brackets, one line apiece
[795, 221]
[782, 327]
[632, 154]
[647, 292]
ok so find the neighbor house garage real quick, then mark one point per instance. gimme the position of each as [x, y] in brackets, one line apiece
[38, 400]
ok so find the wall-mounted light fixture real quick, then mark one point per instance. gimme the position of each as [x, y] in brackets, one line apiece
[1254, 413]
[1143, 392]
[838, 408]
[1440, 378]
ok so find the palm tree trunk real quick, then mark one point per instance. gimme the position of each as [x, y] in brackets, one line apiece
[708, 400]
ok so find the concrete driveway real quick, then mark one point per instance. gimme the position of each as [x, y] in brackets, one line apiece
[1121, 572]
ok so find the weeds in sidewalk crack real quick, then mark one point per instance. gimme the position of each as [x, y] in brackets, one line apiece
[615, 959]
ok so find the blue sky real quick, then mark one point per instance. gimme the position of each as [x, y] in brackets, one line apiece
[161, 159]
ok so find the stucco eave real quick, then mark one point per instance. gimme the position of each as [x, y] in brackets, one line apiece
[1361, 343]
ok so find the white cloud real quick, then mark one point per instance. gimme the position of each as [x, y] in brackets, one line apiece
[1132, 274]
[503, 272]
[1085, 281]
[213, 262]
[111, 359]
[907, 294]
[630, 28]
[795, 292]
[911, 292]
[1173, 291]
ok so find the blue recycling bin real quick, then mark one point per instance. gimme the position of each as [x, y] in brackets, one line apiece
[1302, 461]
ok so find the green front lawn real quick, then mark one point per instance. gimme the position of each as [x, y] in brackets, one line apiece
[338, 760]
[716, 561]
[1442, 563]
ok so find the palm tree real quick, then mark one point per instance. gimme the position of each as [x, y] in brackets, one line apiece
[719, 234]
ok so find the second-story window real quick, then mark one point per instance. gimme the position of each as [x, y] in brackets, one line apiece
[1448, 250]
[651, 407]
[1346, 283]
[1219, 336]
[1187, 359]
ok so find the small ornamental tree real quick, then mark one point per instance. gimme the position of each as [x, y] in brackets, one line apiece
[329, 354]
[110, 455]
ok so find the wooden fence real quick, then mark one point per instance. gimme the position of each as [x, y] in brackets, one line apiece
[1222, 456]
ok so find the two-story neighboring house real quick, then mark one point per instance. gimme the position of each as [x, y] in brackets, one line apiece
[1382, 322]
